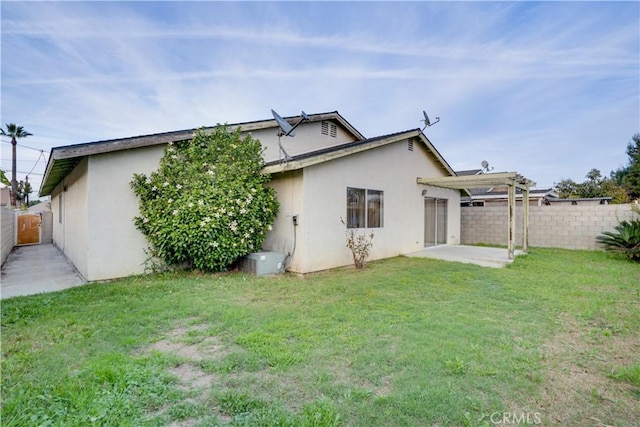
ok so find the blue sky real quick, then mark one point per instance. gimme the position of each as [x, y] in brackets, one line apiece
[547, 89]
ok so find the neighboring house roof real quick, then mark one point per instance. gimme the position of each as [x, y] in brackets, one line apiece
[484, 193]
[319, 156]
[600, 200]
[469, 172]
[491, 193]
[63, 159]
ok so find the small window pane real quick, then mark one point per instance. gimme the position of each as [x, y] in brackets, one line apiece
[374, 208]
[355, 207]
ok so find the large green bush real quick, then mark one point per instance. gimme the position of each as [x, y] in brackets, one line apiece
[625, 240]
[207, 204]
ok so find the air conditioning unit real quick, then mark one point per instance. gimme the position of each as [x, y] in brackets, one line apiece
[263, 263]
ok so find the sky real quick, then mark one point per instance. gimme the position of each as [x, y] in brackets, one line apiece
[547, 89]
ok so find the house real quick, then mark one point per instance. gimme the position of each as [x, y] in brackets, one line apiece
[327, 173]
[498, 196]
[578, 201]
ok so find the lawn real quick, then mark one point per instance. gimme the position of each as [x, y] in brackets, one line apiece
[553, 339]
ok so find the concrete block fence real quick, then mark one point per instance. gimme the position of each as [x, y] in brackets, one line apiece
[7, 232]
[555, 226]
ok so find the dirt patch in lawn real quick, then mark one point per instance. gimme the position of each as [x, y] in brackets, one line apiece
[576, 385]
[193, 346]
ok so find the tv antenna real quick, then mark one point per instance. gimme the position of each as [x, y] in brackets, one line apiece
[285, 129]
[485, 167]
[427, 122]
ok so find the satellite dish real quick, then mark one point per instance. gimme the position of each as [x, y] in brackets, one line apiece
[485, 166]
[285, 128]
[426, 120]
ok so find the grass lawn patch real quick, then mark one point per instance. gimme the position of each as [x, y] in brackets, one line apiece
[554, 338]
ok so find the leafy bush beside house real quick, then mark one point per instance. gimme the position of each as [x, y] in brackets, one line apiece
[207, 204]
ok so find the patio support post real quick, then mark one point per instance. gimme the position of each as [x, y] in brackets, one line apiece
[512, 220]
[525, 219]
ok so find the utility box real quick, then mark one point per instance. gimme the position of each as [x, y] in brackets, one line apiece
[263, 263]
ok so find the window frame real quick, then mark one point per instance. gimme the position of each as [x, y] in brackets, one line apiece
[361, 206]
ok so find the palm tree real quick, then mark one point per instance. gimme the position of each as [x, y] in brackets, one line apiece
[14, 131]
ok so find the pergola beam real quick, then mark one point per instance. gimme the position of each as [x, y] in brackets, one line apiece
[512, 180]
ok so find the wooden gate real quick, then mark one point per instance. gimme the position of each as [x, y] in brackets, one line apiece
[28, 229]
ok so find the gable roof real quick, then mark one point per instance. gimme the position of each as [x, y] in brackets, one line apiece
[331, 153]
[63, 159]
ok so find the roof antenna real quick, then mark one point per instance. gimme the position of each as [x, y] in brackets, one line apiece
[485, 167]
[285, 129]
[427, 122]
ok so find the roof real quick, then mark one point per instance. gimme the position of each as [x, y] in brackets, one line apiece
[491, 193]
[63, 159]
[580, 199]
[320, 156]
[469, 172]
[493, 179]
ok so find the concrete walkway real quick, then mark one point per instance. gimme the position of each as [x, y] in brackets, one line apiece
[479, 255]
[36, 269]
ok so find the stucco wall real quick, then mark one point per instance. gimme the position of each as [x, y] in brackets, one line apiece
[7, 232]
[308, 137]
[70, 217]
[559, 226]
[116, 247]
[392, 169]
[289, 187]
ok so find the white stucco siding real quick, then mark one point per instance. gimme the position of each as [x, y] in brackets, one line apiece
[116, 247]
[392, 169]
[71, 226]
[289, 188]
[308, 138]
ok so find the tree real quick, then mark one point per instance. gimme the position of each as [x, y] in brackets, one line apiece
[631, 178]
[628, 177]
[3, 178]
[207, 204]
[15, 132]
[23, 189]
[594, 186]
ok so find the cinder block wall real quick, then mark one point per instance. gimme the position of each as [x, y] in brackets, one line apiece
[7, 232]
[556, 226]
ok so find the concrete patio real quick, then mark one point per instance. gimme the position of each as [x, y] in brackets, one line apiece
[36, 269]
[479, 255]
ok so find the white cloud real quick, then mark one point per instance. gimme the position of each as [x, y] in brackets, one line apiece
[529, 86]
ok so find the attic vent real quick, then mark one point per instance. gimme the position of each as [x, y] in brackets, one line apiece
[410, 145]
[329, 129]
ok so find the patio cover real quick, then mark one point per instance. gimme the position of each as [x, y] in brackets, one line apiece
[512, 180]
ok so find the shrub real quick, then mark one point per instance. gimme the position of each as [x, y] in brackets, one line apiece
[360, 246]
[207, 204]
[625, 239]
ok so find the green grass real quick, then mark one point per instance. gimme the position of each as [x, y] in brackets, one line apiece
[406, 341]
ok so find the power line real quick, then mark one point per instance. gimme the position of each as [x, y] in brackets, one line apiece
[25, 146]
[34, 173]
[34, 166]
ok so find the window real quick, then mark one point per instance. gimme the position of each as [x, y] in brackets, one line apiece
[364, 208]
